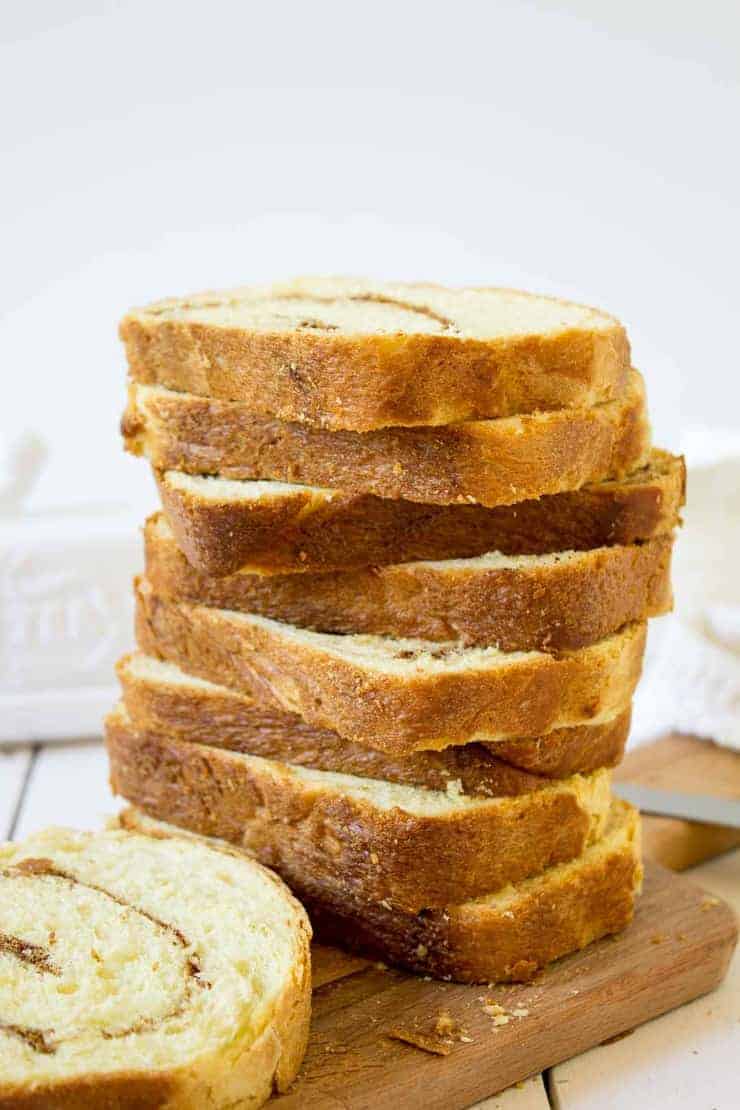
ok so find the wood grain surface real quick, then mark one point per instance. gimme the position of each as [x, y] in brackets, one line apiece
[677, 948]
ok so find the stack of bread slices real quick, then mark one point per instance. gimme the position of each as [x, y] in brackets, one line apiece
[394, 607]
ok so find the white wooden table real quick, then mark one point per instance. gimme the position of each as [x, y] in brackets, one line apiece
[687, 1060]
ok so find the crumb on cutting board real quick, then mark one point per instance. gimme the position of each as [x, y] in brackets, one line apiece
[439, 1040]
[499, 1014]
[422, 1041]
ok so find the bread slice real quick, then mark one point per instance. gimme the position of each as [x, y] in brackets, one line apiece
[491, 462]
[224, 526]
[348, 353]
[403, 845]
[555, 602]
[506, 936]
[395, 695]
[161, 698]
[141, 971]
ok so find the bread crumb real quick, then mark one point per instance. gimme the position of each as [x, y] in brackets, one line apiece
[499, 1014]
[445, 1025]
[373, 857]
[419, 1040]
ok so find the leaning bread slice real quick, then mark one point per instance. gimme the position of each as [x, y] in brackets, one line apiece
[223, 526]
[348, 353]
[395, 695]
[491, 462]
[403, 845]
[161, 698]
[506, 936]
[137, 971]
[564, 600]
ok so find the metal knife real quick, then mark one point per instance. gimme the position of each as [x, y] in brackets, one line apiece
[690, 807]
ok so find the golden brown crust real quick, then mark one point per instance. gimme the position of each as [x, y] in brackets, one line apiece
[222, 718]
[124, 1091]
[305, 531]
[361, 382]
[271, 1064]
[493, 462]
[395, 712]
[299, 827]
[469, 942]
[556, 913]
[579, 749]
[549, 605]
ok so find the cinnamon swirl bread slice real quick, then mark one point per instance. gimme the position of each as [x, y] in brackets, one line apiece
[140, 971]
[402, 845]
[554, 602]
[396, 695]
[161, 698]
[223, 526]
[354, 353]
[489, 462]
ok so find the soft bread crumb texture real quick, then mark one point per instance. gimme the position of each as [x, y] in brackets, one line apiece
[358, 307]
[214, 489]
[159, 956]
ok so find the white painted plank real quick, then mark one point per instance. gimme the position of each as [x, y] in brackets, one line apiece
[530, 1095]
[68, 786]
[14, 766]
[686, 1059]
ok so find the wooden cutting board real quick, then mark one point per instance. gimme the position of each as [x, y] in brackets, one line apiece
[677, 948]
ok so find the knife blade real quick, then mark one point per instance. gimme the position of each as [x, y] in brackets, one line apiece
[689, 807]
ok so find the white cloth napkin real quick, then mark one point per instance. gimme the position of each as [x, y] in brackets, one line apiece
[65, 605]
[691, 681]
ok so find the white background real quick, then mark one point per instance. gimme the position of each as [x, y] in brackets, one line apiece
[150, 148]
